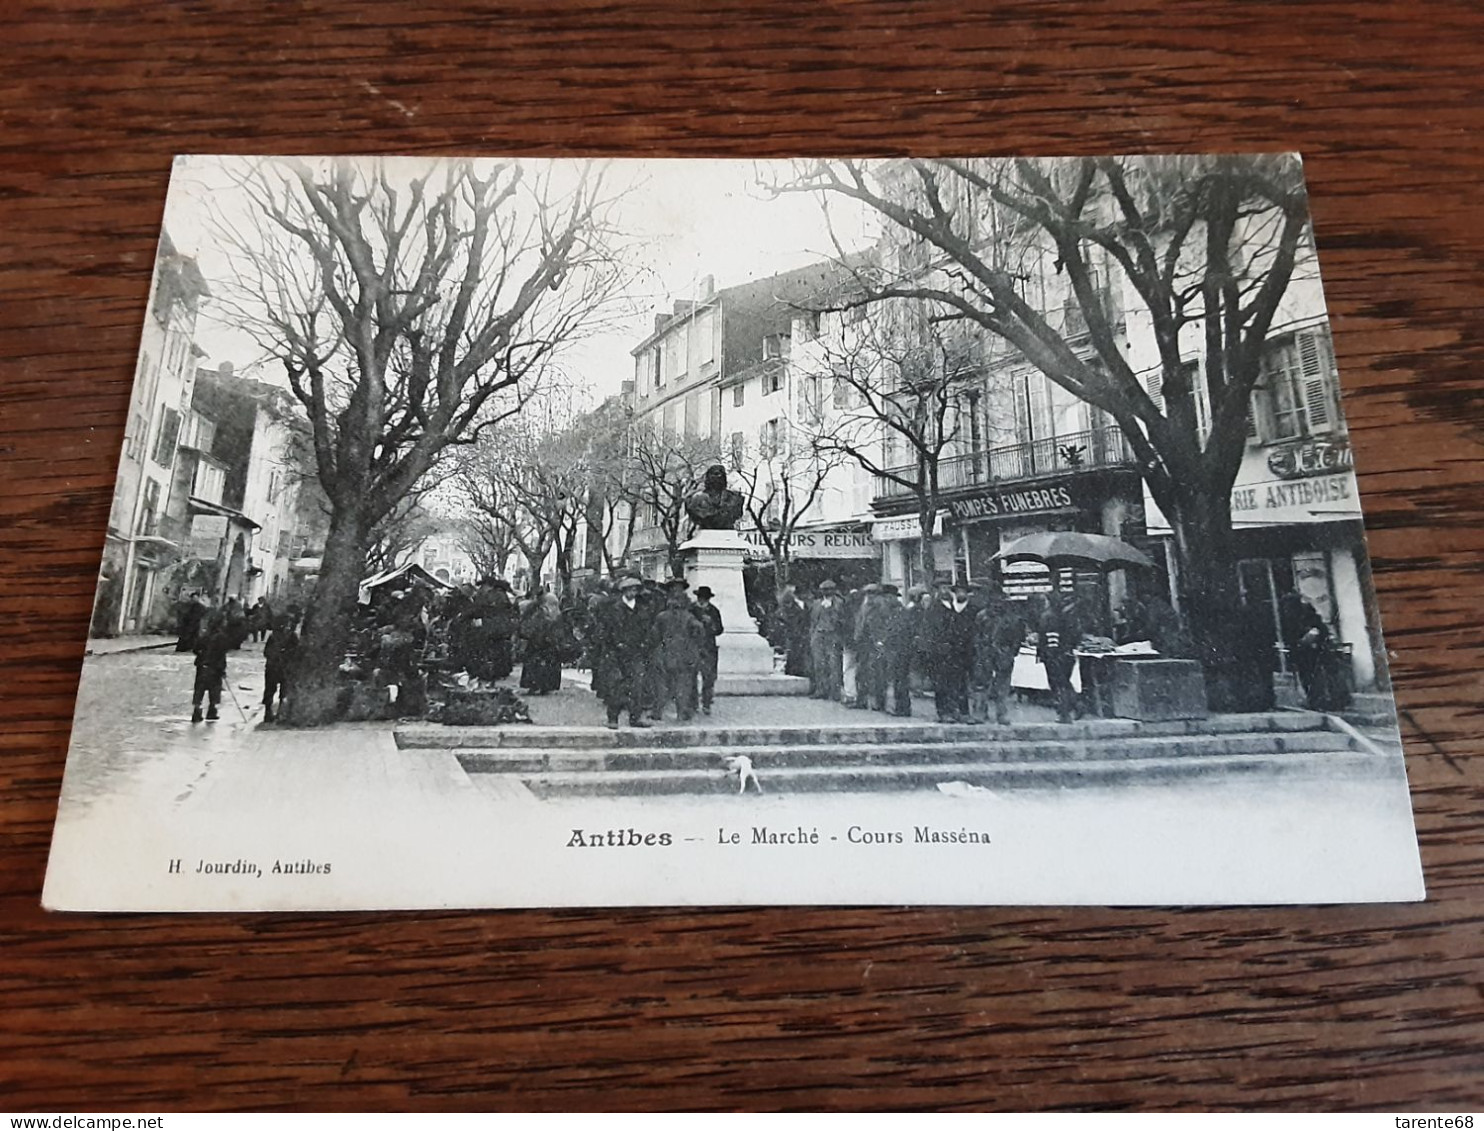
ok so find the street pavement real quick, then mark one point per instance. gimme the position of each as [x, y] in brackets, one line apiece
[409, 828]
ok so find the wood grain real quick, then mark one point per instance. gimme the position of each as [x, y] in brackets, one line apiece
[1368, 1007]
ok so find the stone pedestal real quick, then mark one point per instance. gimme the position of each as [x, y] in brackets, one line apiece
[714, 558]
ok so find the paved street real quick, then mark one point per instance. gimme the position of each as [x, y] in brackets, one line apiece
[408, 828]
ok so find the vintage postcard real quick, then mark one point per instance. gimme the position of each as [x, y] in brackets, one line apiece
[510, 532]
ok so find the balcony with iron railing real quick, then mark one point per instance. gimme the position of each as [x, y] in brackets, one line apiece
[1097, 448]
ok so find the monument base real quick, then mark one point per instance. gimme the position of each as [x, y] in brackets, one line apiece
[713, 558]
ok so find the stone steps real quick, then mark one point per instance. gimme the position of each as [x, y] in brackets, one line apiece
[663, 736]
[966, 775]
[707, 756]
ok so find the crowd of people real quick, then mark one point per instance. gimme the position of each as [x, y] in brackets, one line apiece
[960, 640]
[652, 647]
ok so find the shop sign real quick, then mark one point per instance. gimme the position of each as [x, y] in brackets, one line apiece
[1313, 457]
[1325, 499]
[908, 526]
[813, 544]
[207, 533]
[1013, 503]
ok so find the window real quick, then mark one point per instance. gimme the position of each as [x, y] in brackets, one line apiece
[149, 513]
[134, 440]
[208, 482]
[737, 394]
[1295, 395]
[168, 434]
[430, 556]
[808, 324]
[693, 415]
[738, 448]
[667, 419]
[775, 345]
[706, 337]
[646, 372]
[768, 440]
[772, 379]
[841, 391]
[667, 359]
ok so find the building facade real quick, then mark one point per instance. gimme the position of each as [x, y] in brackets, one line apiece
[719, 375]
[137, 550]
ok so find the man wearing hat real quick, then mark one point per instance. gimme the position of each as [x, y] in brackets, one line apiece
[827, 621]
[622, 632]
[675, 646]
[710, 617]
[873, 630]
[946, 642]
[1058, 635]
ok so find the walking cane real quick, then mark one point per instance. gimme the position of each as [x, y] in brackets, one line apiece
[233, 695]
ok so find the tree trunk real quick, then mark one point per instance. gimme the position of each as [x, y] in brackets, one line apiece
[315, 684]
[1231, 645]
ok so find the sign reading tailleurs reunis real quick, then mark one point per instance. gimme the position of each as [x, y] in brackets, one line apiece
[816, 544]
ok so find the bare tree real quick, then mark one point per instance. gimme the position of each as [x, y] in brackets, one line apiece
[488, 541]
[897, 398]
[528, 476]
[1210, 243]
[664, 468]
[400, 531]
[411, 304]
[781, 478]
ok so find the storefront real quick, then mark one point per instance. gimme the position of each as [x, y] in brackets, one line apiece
[1095, 502]
[1296, 528]
[846, 555]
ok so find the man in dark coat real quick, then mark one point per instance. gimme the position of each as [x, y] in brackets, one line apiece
[876, 626]
[278, 656]
[828, 618]
[675, 651]
[999, 631]
[1059, 633]
[946, 644]
[216, 638]
[710, 617]
[188, 624]
[791, 632]
[901, 647]
[623, 630]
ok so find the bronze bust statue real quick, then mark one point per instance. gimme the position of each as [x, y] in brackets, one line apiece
[714, 507]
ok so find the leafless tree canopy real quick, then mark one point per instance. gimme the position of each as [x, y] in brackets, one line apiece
[412, 303]
[1209, 241]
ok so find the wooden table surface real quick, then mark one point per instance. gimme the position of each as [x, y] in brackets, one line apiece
[1354, 1007]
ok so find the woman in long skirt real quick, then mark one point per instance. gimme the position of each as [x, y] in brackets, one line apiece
[545, 632]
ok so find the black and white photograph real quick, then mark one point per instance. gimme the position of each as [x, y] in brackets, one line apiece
[515, 532]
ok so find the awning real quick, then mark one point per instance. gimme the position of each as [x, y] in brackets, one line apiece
[201, 506]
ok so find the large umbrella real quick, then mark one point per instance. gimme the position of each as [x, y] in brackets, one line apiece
[1063, 548]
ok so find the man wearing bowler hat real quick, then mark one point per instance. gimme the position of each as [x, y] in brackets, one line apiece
[675, 645]
[623, 630]
[710, 617]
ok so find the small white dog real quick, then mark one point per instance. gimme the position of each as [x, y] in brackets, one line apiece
[741, 765]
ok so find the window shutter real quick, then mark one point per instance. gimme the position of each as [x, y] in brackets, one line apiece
[1154, 385]
[1252, 435]
[1316, 364]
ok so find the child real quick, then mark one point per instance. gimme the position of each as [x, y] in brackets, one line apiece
[212, 645]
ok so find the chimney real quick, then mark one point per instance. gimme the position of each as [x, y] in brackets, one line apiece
[224, 370]
[707, 288]
[659, 322]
